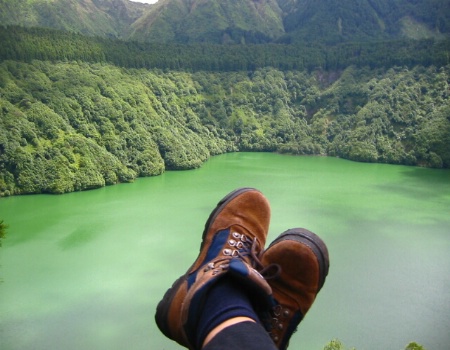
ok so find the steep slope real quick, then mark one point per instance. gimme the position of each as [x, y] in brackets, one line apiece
[217, 21]
[71, 126]
[91, 17]
[328, 21]
[360, 20]
[332, 21]
[233, 21]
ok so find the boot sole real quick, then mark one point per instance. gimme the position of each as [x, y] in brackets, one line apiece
[163, 307]
[314, 242]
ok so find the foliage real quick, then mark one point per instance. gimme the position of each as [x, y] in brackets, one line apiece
[237, 22]
[23, 44]
[108, 18]
[344, 20]
[3, 228]
[72, 126]
[336, 344]
[213, 21]
[414, 346]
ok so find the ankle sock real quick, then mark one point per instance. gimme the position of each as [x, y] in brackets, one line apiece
[244, 335]
[225, 300]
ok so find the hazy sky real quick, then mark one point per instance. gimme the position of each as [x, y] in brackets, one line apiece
[146, 1]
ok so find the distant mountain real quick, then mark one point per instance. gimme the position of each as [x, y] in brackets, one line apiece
[237, 21]
[356, 20]
[110, 18]
[218, 21]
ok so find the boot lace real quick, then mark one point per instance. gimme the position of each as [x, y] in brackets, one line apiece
[239, 245]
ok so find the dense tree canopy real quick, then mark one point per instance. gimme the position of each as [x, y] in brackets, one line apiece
[24, 44]
[79, 113]
[3, 227]
[69, 126]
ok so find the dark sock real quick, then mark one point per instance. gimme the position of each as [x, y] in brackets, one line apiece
[242, 336]
[225, 300]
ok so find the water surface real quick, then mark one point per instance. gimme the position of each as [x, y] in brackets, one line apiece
[86, 270]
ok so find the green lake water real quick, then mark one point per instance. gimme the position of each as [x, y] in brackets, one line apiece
[86, 270]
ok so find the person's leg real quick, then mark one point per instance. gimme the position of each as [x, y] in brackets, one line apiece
[241, 335]
[216, 331]
[225, 304]
[299, 262]
[233, 238]
[228, 305]
[234, 234]
[303, 262]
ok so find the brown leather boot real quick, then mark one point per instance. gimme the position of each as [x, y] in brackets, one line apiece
[235, 233]
[303, 262]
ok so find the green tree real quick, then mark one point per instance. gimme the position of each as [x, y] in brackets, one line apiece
[335, 344]
[3, 228]
[414, 346]
[70, 126]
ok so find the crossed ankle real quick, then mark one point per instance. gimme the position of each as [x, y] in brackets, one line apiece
[228, 323]
[225, 301]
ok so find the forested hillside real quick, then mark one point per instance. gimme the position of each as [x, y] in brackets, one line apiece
[25, 44]
[79, 112]
[107, 18]
[237, 22]
[364, 20]
[212, 21]
[68, 126]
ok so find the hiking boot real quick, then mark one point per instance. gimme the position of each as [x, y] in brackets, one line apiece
[234, 235]
[302, 261]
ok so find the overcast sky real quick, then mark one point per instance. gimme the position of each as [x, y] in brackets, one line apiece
[146, 1]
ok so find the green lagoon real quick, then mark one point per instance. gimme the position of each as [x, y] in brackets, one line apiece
[85, 270]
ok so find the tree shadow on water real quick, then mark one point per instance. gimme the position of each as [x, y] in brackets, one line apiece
[78, 237]
[427, 175]
[3, 228]
[421, 183]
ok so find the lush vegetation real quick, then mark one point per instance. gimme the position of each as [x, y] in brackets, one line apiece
[337, 345]
[108, 18]
[79, 113]
[238, 22]
[3, 228]
[366, 20]
[71, 126]
[25, 44]
[263, 21]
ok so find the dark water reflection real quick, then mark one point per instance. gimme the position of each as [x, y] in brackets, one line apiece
[85, 270]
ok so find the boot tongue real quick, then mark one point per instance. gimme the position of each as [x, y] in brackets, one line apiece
[252, 281]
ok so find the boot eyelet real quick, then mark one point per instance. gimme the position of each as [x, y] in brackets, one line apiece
[277, 310]
[227, 252]
[208, 267]
[232, 242]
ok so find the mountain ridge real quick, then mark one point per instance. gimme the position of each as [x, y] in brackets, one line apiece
[106, 18]
[231, 21]
[80, 112]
